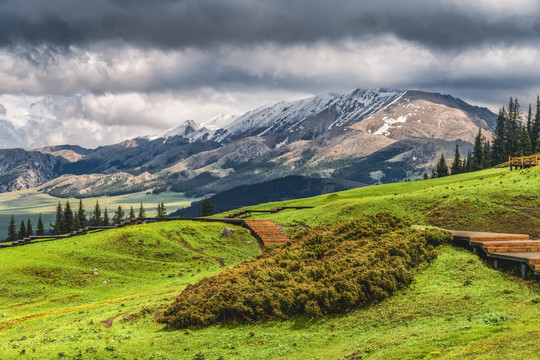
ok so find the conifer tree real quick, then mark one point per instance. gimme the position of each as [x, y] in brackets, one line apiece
[456, 167]
[81, 215]
[441, 169]
[499, 154]
[477, 151]
[76, 222]
[161, 211]
[142, 212]
[469, 165]
[538, 143]
[59, 226]
[525, 147]
[106, 221]
[96, 219]
[486, 155]
[535, 130]
[68, 219]
[118, 215]
[12, 230]
[22, 231]
[433, 173]
[207, 207]
[29, 229]
[181, 213]
[40, 231]
[131, 213]
[514, 116]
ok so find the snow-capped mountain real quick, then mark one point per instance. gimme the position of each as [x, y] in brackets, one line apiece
[341, 110]
[402, 132]
[188, 129]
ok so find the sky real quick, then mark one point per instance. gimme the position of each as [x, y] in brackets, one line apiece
[99, 72]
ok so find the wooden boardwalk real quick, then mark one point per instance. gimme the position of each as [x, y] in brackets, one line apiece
[516, 248]
[266, 232]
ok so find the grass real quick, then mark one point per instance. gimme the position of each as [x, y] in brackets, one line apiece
[457, 307]
[489, 200]
[30, 203]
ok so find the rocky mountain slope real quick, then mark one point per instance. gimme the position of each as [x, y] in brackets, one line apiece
[321, 136]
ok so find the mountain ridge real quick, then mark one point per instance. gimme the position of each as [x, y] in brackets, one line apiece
[315, 136]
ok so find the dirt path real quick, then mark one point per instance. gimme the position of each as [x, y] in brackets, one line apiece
[178, 239]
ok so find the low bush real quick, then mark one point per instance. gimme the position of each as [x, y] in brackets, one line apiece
[323, 270]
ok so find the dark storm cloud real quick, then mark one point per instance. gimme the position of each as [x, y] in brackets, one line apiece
[174, 24]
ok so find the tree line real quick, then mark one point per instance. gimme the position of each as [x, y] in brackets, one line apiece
[514, 136]
[68, 220]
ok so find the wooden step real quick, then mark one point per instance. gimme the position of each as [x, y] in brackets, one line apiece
[502, 237]
[511, 249]
[532, 243]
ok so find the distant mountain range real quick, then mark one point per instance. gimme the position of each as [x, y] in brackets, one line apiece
[366, 136]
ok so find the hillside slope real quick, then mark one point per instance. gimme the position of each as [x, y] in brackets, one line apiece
[496, 200]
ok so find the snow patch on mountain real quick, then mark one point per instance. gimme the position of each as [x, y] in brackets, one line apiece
[219, 122]
[388, 122]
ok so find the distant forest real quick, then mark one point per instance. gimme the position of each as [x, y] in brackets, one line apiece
[289, 187]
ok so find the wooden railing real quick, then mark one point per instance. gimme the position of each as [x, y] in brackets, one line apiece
[523, 161]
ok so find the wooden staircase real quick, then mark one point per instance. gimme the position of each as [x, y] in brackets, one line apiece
[512, 247]
[266, 231]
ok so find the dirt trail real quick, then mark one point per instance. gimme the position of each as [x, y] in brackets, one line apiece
[178, 239]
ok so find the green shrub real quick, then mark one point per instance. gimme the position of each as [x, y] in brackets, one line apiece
[323, 270]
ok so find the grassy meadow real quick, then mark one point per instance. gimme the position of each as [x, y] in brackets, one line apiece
[497, 200]
[457, 306]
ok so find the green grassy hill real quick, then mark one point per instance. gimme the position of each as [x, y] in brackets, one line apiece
[490, 200]
[456, 306]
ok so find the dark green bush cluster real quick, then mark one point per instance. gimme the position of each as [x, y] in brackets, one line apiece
[328, 269]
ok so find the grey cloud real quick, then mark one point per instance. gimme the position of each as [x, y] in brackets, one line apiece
[200, 23]
[3, 110]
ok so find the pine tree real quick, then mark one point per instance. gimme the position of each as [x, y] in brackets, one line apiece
[525, 147]
[535, 130]
[106, 221]
[456, 164]
[486, 155]
[469, 164]
[538, 143]
[81, 215]
[96, 219]
[40, 228]
[441, 169]
[118, 215]
[68, 219]
[477, 151]
[207, 207]
[59, 226]
[181, 213]
[131, 213]
[514, 116]
[433, 173]
[426, 176]
[12, 230]
[76, 221]
[161, 211]
[142, 212]
[22, 231]
[29, 229]
[499, 154]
